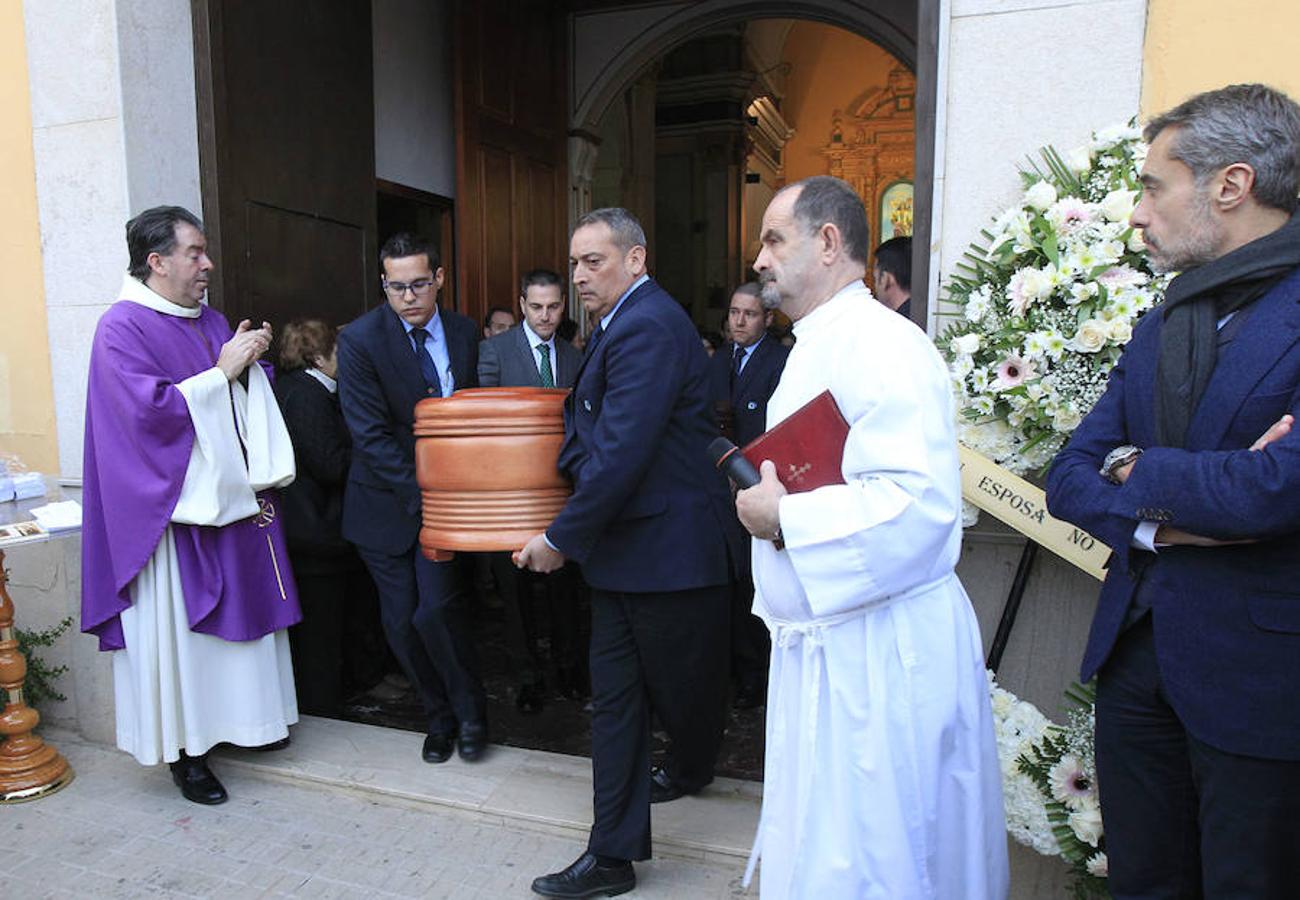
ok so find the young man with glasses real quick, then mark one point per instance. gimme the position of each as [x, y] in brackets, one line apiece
[389, 359]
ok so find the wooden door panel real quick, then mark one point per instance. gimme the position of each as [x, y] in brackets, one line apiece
[511, 146]
[299, 264]
[286, 123]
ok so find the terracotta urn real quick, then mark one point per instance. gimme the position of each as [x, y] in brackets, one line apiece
[485, 460]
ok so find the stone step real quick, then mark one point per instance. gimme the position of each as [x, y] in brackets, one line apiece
[545, 791]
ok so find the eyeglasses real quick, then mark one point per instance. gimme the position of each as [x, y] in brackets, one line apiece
[420, 287]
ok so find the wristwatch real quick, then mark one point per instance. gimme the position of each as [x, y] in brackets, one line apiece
[1117, 459]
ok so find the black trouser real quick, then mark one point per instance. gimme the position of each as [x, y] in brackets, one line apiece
[663, 654]
[423, 608]
[750, 644]
[331, 646]
[540, 607]
[1184, 819]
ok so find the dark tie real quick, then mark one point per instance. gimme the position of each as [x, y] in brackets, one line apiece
[737, 358]
[592, 341]
[544, 366]
[427, 368]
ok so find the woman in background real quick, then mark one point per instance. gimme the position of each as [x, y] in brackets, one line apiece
[336, 592]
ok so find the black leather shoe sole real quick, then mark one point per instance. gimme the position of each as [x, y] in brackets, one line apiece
[553, 886]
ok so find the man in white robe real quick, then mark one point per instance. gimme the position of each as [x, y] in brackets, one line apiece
[882, 775]
[185, 577]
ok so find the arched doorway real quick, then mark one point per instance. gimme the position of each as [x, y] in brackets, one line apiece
[613, 49]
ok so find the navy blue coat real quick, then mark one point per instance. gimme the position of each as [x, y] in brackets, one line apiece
[379, 385]
[1226, 619]
[648, 511]
[752, 390]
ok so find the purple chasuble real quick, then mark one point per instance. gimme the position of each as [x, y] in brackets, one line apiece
[236, 578]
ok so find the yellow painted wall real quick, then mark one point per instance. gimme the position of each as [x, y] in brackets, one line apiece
[27, 423]
[1197, 45]
[829, 69]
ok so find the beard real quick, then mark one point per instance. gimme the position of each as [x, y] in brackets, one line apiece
[770, 295]
[1198, 243]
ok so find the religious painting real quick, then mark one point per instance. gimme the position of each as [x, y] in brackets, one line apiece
[896, 210]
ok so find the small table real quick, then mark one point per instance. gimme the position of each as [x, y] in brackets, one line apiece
[29, 767]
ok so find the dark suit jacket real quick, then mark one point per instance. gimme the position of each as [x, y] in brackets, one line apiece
[322, 450]
[748, 399]
[506, 360]
[648, 511]
[1226, 619]
[379, 385]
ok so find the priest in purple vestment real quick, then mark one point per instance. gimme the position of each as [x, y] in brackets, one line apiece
[185, 575]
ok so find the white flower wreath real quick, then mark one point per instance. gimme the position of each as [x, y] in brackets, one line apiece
[1042, 307]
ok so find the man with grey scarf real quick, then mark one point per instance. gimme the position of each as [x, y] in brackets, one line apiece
[1188, 470]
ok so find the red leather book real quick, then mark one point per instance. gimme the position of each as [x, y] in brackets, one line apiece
[807, 447]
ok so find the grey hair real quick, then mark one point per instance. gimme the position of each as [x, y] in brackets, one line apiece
[823, 200]
[1241, 123]
[627, 231]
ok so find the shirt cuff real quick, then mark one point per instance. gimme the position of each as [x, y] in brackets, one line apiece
[1144, 536]
[549, 544]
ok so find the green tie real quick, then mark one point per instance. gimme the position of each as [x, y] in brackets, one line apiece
[544, 366]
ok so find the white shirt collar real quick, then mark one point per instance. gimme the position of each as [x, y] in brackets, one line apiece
[330, 384]
[137, 291]
[607, 317]
[533, 339]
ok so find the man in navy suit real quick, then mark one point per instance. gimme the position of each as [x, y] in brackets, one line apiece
[530, 355]
[1187, 469]
[891, 275]
[389, 359]
[646, 523]
[742, 378]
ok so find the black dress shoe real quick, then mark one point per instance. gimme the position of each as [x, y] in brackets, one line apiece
[662, 786]
[196, 781]
[587, 877]
[473, 741]
[438, 746]
[274, 745]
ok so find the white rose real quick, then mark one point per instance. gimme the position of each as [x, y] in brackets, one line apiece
[1117, 206]
[1079, 160]
[1040, 195]
[966, 344]
[1135, 242]
[1091, 336]
[1119, 331]
[1066, 419]
[1086, 823]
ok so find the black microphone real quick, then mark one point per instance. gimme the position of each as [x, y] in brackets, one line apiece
[728, 459]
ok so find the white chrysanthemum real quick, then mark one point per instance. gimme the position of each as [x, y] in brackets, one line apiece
[960, 367]
[1098, 866]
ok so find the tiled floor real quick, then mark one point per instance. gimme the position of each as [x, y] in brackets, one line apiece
[348, 811]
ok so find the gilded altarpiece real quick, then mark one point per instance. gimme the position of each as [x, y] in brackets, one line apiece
[872, 147]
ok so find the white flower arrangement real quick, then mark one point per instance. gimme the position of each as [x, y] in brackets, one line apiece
[1041, 309]
[1049, 783]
